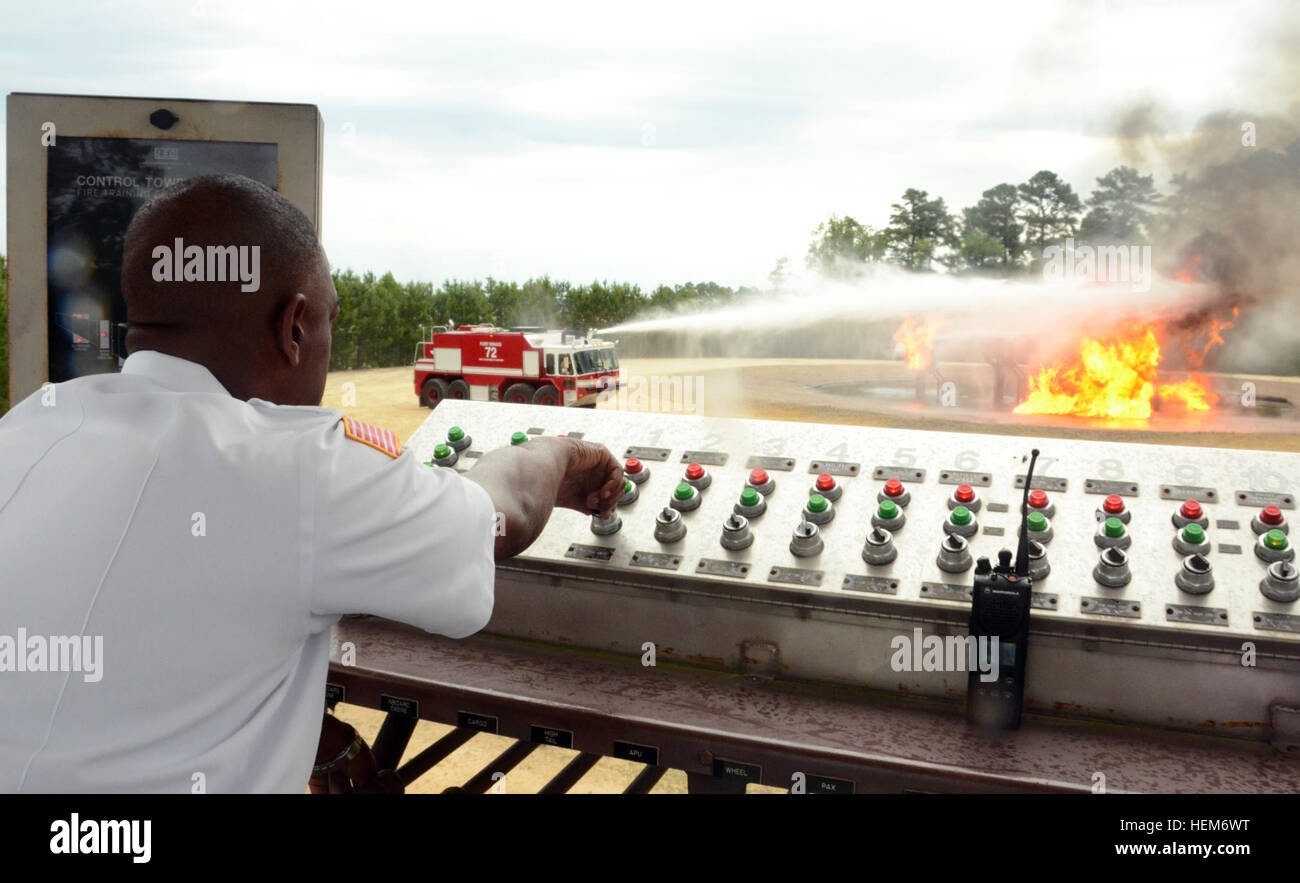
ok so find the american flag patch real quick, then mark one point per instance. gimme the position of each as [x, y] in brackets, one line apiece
[379, 439]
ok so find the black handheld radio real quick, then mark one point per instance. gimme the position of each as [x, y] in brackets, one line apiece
[999, 622]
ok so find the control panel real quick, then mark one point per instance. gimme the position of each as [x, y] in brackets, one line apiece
[1146, 552]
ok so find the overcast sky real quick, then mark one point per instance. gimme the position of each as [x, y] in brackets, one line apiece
[659, 142]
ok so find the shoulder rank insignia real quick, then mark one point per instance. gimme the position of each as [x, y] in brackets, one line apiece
[379, 439]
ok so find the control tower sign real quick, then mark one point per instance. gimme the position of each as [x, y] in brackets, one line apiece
[78, 170]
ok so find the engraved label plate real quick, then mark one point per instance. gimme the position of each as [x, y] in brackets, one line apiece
[722, 567]
[992, 531]
[1199, 615]
[1045, 483]
[1044, 601]
[796, 575]
[1106, 487]
[589, 553]
[958, 476]
[1265, 498]
[1189, 492]
[1229, 549]
[705, 458]
[945, 591]
[877, 585]
[771, 464]
[999, 507]
[1111, 607]
[1276, 622]
[662, 560]
[884, 473]
[641, 452]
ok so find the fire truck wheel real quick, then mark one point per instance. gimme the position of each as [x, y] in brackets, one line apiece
[546, 395]
[518, 394]
[458, 389]
[433, 391]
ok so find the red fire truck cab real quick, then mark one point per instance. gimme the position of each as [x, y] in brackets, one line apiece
[520, 365]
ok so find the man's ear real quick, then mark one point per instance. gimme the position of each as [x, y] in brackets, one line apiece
[291, 328]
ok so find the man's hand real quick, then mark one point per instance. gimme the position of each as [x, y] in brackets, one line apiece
[526, 482]
[593, 479]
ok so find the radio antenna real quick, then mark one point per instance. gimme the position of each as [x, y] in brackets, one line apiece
[1022, 548]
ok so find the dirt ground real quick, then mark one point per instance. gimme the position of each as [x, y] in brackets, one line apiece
[773, 389]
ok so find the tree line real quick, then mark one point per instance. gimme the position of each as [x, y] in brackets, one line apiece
[1003, 234]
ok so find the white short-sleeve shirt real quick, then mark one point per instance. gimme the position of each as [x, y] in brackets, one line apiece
[211, 543]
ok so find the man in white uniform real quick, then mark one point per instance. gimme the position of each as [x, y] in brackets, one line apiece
[209, 521]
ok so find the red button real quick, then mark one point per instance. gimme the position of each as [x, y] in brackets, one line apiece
[695, 470]
[1191, 509]
[1114, 503]
[1038, 498]
[633, 466]
[893, 488]
[964, 493]
[758, 477]
[825, 482]
[1271, 515]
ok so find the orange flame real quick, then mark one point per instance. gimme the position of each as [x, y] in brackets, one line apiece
[1113, 377]
[1196, 358]
[917, 340]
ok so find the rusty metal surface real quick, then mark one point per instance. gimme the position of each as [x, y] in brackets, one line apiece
[696, 717]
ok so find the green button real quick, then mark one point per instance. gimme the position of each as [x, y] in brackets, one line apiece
[518, 438]
[817, 503]
[441, 452]
[749, 497]
[960, 515]
[1194, 534]
[1275, 539]
[1037, 522]
[627, 486]
[455, 434]
[888, 510]
[684, 491]
[1114, 528]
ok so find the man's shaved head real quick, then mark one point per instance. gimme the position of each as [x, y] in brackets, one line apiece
[271, 343]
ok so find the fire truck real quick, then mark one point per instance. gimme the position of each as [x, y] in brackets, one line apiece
[525, 365]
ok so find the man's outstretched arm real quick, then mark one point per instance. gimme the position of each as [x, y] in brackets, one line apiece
[527, 481]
